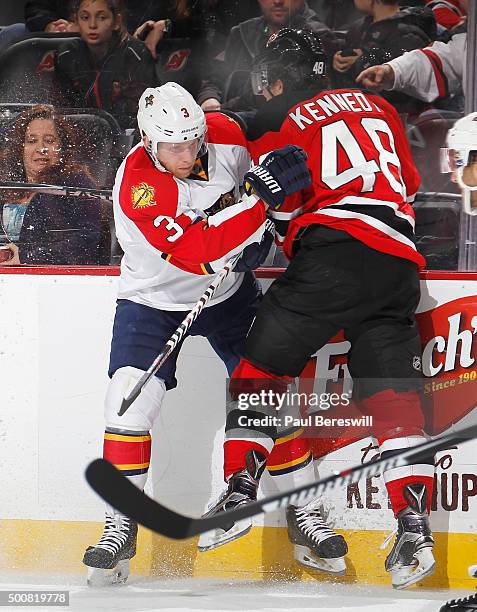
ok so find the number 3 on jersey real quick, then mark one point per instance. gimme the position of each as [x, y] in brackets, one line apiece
[339, 134]
[171, 226]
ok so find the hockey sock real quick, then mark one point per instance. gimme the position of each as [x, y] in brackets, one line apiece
[420, 475]
[398, 423]
[130, 452]
[248, 426]
[290, 463]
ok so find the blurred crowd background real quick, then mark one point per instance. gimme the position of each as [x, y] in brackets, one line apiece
[71, 74]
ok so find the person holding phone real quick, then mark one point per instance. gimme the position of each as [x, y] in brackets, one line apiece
[385, 32]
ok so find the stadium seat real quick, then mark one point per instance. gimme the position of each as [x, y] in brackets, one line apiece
[178, 59]
[27, 71]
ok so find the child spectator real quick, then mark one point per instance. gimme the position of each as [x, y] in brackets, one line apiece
[105, 68]
[387, 31]
[40, 228]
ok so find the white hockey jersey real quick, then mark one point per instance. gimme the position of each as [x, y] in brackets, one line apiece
[432, 72]
[176, 233]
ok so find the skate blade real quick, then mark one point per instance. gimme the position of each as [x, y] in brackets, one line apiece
[219, 537]
[98, 577]
[473, 571]
[405, 576]
[305, 556]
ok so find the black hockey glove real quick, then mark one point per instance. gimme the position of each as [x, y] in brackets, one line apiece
[255, 254]
[279, 174]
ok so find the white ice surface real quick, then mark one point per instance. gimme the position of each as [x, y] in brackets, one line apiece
[149, 594]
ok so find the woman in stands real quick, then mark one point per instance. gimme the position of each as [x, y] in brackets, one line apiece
[106, 67]
[40, 228]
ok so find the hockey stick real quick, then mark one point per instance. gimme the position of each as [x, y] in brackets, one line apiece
[177, 336]
[119, 492]
[61, 190]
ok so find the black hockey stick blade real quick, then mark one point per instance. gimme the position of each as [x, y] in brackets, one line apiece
[120, 493]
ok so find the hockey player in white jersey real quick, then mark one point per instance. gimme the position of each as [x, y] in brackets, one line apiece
[460, 158]
[179, 218]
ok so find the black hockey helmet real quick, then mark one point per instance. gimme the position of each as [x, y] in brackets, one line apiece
[294, 56]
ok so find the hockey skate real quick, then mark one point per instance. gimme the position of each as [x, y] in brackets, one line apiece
[242, 489]
[108, 561]
[466, 604]
[411, 557]
[316, 545]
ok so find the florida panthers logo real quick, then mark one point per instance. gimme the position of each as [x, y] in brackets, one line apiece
[142, 196]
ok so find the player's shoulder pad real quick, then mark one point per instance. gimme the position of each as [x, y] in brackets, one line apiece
[144, 189]
[224, 128]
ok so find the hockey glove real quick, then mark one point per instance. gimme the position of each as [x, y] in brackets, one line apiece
[255, 254]
[279, 174]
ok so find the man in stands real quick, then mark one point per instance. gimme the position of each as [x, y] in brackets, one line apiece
[228, 85]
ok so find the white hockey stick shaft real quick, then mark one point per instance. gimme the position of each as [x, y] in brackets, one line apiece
[178, 335]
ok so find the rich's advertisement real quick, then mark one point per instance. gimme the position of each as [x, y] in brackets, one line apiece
[447, 321]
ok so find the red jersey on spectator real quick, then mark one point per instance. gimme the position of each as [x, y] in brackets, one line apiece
[448, 13]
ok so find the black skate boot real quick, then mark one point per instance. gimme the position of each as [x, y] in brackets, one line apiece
[108, 561]
[316, 545]
[411, 557]
[242, 489]
[466, 604]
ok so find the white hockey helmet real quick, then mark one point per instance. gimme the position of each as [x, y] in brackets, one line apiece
[459, 157]
[170, 114]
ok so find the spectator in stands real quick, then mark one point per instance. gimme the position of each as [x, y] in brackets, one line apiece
[448, 13]
[387, 31]
[40, 16]
[40, 228]
[337, 14]
[185, 35]
[228, 85]
[106, 67]
[49, 16]
[428, 74]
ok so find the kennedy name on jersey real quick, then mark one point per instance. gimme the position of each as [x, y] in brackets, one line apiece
[330, 104]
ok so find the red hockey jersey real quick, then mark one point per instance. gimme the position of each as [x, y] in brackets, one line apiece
[363, 175]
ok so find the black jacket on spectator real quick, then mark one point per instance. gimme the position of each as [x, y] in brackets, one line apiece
[115, 84]
[227, 12]
[60, 230]
[39, 13]
[337, 14]
[410, 28]
[229, 80]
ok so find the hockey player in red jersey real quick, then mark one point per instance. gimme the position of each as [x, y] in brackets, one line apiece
[354, 267]
[179, 218]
